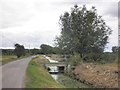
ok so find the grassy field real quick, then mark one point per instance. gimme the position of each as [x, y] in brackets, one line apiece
[38, 77]
[7, 58]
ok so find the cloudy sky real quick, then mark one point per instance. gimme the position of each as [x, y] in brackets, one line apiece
[33, 22]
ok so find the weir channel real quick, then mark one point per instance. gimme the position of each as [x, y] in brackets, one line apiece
[56, 68]
[58, 75]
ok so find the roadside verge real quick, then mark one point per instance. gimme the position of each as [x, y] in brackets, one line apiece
[38, 77]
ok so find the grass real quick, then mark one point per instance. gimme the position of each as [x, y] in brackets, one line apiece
[71, 83]
[38, 77]
[113, 64]
[7, 58]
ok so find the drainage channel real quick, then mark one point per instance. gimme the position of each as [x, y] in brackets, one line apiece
[63, 79]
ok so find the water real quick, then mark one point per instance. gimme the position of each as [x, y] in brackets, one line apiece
[55, 76]
[50, 59]
[53, 68]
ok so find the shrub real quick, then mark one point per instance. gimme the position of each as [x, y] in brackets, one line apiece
[75, 59]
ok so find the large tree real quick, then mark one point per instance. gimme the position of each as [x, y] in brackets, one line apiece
[83, 31]
[19, 50]
[46, 49]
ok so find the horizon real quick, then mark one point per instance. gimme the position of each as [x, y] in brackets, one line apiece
[35, 22]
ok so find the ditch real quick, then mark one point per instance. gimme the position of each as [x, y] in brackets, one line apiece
[65, 80]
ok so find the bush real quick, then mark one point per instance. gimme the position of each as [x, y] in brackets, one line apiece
[91, 57]
[109, 57]
[75, 59]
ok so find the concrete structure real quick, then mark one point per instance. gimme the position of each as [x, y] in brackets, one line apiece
[61, 67]
[55, 64]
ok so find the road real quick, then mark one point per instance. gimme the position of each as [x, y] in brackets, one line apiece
[13, 73]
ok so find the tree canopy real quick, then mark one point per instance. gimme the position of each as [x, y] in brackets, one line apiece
[19, 50]
[46, 49]
[83, 31]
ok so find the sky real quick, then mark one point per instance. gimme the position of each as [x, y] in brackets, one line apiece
[34, 22]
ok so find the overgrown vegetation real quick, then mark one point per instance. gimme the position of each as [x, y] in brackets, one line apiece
[75, 59]
[106, 58]
[38, 76]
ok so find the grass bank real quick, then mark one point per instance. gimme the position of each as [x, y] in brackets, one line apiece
[38, 77]
[71, 83]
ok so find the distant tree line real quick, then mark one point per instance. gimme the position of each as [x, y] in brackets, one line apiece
[47, 49]
[21, 51]
[7, 51]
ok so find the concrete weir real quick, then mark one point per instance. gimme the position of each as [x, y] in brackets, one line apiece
[55, 66]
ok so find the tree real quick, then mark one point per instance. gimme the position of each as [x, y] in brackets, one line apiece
[114, 49]
[19, 50]
[46, 49]
[35, 51]
[83, 32]
[57, 50]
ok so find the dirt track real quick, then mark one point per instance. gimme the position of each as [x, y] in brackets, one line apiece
[98, 75]
[13, 73]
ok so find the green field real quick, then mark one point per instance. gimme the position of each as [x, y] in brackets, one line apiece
[38, 77]
[7, 58]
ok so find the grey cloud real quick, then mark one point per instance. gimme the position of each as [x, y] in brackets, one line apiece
[34, 39]
[9, 39]
[106, 7]
[72, 2]
[119, 20]
[119, 13]
[13, 13]
[64, 3]
[112, 9]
